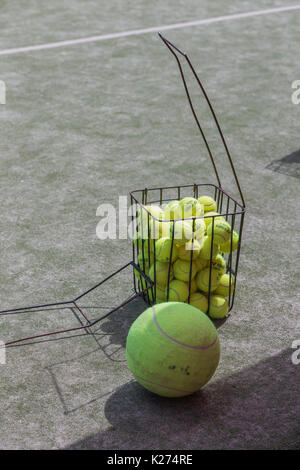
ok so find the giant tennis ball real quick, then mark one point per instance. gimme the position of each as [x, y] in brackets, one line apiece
[172, 349]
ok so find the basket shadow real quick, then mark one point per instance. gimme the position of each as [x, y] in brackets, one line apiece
[257, 408]
[108, 346]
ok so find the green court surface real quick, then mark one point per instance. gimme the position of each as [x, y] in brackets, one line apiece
[86, 123]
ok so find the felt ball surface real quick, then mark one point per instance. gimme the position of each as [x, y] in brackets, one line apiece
[173, 349]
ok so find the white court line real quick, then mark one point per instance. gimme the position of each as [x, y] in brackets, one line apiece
[134, 32]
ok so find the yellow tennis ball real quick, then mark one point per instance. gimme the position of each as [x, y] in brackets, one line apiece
[143, 218]
[173, 210]
[223, 288]
[208, 203]
[207, 251]
[163, 248]
[172, 349]
[225, 247]
[191, 249]
[218, 307]
[160, 293]
[191, 207]
[159, 272]
[220, 233]
[200, 263]
[156, 221]
[219, 264]
[202, 280]
[199, 301]
[145, 256]
[183, 231]
[182, 270]
[147, 224]
[208, 220]
[199, 229]
[141, 243]
[178, 291]
[194, 286]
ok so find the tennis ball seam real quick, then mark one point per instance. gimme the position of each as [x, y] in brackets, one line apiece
[179, 342]
[179, 268]
[175, 291]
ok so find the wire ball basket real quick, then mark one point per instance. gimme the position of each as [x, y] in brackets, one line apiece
[190, 232]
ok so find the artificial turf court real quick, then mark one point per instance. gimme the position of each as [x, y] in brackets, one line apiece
[86, 122]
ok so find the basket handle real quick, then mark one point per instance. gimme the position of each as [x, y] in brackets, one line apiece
[174, 50]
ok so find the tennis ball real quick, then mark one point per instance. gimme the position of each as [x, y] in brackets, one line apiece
[218, 306]
[198, 228]
[183, 231]
[223, 287]
[202, 280]
[219, 264]
[145, 255]
[200, 263]
[220, 233]
[208, 220]
[172, 349]
[163, 248]
[159, 273]
[200, 301]
[190, 249]
[173, 211]
[156, 223]
[208, 203]
[178, 291]
[225, 247]
[145, 263]
[143, 243]
[206, 251]
[160, 293]
[182, 270]
[194, 286]
[191, 207]
[143, 217]
[147, 224]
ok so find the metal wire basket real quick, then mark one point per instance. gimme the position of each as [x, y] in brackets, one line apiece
[227, 206]
[149, 224]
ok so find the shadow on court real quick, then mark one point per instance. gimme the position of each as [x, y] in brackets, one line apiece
[257, 408]
[289, 165]
[103, 364]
